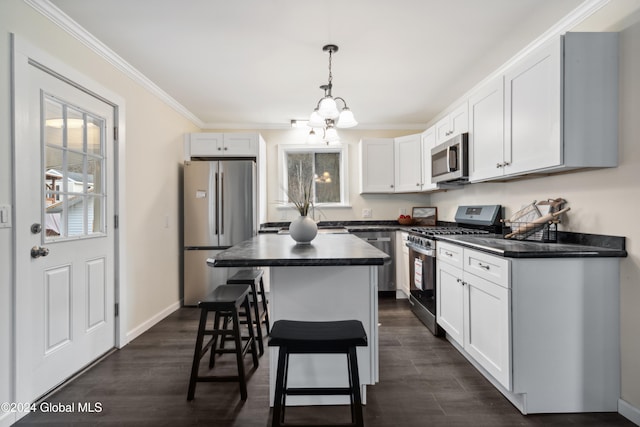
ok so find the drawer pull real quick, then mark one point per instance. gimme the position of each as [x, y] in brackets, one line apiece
[448, 253]
[485, 266]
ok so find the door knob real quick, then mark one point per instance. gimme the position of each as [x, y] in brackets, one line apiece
[36, 228]
[38, 251]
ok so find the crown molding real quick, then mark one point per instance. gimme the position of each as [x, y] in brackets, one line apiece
[55, 15]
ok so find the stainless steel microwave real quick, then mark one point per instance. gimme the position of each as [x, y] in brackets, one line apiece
[450, 160]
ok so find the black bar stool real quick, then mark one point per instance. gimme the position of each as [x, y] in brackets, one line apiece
[297, 337]
[253, 278]
[225, 301]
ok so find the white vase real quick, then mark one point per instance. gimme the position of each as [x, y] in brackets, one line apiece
[303, 230]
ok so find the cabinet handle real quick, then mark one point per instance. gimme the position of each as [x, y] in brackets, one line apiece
[391, 186]
[448, 253]
[506, 164]
[498, 165]
[417, 184]
[459, 281]
[219, 149]
[485, 266]
[225, 148]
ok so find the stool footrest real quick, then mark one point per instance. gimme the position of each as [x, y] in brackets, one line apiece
[315, 391]
[219, 378]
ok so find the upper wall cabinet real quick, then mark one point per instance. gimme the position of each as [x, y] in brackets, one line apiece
[377, 165]
[209, 144]
[560, 111]
[454, 123]
[428, 138]
[486, 131]
[408, 163]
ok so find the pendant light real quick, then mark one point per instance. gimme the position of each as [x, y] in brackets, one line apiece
[328, 115]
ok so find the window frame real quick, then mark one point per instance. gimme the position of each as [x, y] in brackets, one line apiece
[284, 149]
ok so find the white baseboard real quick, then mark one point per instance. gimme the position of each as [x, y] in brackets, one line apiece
[147, 324]
[628, 411]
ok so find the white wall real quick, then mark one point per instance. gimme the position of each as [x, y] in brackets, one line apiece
[153, 167]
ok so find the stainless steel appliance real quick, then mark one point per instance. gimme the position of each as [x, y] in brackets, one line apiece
[219, 211]
[422, 256]
[385, 241]
[450, 160]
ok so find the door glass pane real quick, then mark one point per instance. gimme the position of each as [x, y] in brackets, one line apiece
[75, 178]
[75, 130]
[74, 193]
[53, 124]
[94, 135]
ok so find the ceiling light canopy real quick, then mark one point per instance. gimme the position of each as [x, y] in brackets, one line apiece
[328, 115]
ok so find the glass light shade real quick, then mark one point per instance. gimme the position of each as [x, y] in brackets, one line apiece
[331, 134]
[316, 120]
[346, 119]
[328, 108]
[313, 137]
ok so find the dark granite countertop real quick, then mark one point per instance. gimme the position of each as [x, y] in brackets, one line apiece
[269, 249]
[351, 226]
[567, 247]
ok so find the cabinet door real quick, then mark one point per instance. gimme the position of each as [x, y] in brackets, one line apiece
[454, 123]
[533, 100]
[428, 142]
[408, 167]
[376, 165]
[487, 326]
[206, 144]
[486, 131]
[450, 300]
[402, 263]
[240, 144]
[459, 119]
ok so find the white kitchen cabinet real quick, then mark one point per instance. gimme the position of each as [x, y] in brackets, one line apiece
[408, 163]
[377, 174]
[454, 123]
[402, 265]
[450, 300]
[210, 144]
[428, 142]
[474, 311]
[543, 331]
[487, 309]
[560, 111]
[486, 131]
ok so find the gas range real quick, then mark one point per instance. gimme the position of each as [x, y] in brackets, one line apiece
[424, 236]
[469, 220]
[422, 256]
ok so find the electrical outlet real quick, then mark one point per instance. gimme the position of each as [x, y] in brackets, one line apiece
[366, 213]
[403, 211]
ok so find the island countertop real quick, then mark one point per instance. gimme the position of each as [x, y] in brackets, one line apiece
[281, 250]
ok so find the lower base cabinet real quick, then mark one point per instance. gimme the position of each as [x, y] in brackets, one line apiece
[543, 331]
[474, 311]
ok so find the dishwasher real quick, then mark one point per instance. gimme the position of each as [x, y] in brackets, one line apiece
[385, 241]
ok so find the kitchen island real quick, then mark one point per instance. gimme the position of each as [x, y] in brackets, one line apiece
[333, 278]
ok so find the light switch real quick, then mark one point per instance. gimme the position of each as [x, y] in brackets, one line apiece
[5, 216]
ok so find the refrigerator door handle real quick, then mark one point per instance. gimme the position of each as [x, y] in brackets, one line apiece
[216, 203]
[222, 202]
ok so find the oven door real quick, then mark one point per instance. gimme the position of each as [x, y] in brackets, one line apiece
[422, 286]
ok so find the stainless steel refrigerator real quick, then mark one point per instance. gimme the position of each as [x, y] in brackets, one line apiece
[219, 211]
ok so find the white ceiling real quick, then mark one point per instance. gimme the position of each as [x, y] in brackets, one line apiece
[259, 63]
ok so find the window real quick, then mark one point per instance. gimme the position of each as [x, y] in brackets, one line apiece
[323, 167]
[74, 196]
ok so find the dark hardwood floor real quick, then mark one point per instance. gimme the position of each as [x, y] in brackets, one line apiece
[424, 381]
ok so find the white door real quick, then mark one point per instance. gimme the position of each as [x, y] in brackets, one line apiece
[64, 228]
